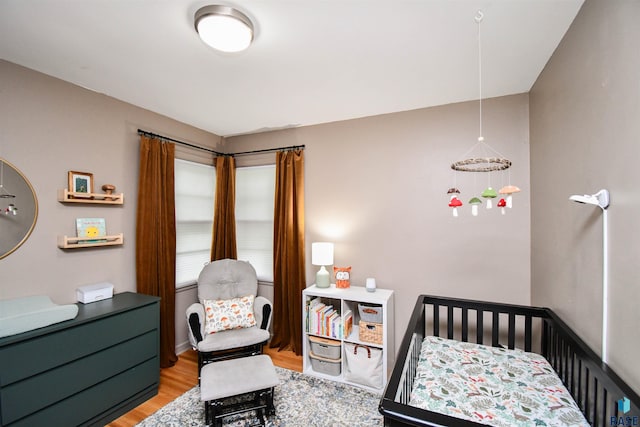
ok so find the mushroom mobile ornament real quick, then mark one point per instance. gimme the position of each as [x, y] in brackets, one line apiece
[475, 202]
[489, 194]
[509, 190]
[453, 192]
[455, 203]
[501, 205]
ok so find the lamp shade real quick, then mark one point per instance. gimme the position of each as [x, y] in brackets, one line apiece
[322, 253]
[224, 28]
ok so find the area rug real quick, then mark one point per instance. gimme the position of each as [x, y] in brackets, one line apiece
[300, 400]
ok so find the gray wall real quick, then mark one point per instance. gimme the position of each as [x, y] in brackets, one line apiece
[376, 187]
[585, 128]
[48, 127]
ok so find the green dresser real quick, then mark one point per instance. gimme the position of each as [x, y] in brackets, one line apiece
[86, 371]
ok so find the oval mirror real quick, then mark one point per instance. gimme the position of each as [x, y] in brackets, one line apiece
[18, 208]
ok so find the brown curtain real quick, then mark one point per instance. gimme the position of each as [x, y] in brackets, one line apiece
[288, 251]
[224, 211]
[156, 237]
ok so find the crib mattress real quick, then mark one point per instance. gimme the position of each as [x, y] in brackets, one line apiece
[493, 386]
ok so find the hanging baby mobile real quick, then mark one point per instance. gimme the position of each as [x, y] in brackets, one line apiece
[482, 158]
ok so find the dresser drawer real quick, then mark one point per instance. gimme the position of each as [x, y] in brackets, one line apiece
[87, 407]
[46, 352]
[58, 384]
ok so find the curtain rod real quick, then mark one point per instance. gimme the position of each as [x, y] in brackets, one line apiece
[217, 153]
[197, 147]
[268, 150]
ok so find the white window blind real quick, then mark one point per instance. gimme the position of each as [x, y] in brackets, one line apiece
[255, 191]
[194, 191]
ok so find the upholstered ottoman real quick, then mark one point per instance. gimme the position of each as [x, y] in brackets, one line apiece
[238, 385]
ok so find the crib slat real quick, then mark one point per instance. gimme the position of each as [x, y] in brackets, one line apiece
[580, 391]
[545, 338]
[603, 408]
[586, 393]
[495, 329]
[567, 355]
[436, 320]
[527, 333]
[512, 331]
[557, 350]
[572, 378]
[450, 322]
[594, 417]
[465, 324]
[480, 327]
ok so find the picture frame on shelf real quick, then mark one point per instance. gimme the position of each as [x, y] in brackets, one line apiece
[92, 230]
[80, 182]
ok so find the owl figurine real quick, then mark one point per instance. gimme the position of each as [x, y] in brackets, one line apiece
[343, 275]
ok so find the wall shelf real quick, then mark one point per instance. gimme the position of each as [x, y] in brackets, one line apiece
[65, 242]
[66, 196]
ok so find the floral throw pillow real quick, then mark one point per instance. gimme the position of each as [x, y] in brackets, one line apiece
[235, 313]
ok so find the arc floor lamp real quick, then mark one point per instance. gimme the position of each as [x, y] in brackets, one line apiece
[602, 200]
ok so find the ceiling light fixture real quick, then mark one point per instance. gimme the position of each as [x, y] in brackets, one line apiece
[224, 28]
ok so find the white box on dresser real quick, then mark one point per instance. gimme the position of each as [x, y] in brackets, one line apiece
[92, 293]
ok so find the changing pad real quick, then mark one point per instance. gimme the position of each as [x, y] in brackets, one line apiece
[491, 385]
[20, 315]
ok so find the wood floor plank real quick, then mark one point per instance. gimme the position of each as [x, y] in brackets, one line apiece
[183, 376]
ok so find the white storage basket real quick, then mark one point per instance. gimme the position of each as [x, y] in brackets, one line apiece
[324, 347]
[370, 313]
[325, 366]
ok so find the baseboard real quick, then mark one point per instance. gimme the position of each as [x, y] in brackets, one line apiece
[182, 347]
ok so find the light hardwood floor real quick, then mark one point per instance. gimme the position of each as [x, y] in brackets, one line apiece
[183, 376]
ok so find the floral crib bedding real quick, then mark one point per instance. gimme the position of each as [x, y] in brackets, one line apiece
[490, 385]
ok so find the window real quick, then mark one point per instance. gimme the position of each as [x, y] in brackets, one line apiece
[255, 191]
[194, 191]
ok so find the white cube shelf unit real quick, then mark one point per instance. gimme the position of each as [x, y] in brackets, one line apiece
[343, 301]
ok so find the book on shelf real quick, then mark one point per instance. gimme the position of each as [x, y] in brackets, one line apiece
[314, 310]
[307, 312]
[91, 230]
[332, 325]
[322, 318]
[347, 324]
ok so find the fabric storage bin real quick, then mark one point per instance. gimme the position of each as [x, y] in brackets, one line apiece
[325, 347]
[326, 366]
[370, 332]
[363, 365]
[370, 313]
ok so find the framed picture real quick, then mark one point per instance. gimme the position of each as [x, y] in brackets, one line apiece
[91, 229]
[80, 182]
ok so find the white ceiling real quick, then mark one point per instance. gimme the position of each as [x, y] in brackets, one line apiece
[311, 61]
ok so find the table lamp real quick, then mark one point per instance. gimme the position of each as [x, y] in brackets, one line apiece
[322, 254]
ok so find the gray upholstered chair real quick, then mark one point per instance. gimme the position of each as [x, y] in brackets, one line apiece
[223, 280]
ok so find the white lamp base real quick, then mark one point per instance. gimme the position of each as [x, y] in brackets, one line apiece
[323, 280]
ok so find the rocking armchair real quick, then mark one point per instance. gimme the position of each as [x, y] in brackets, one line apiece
[228, 285]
